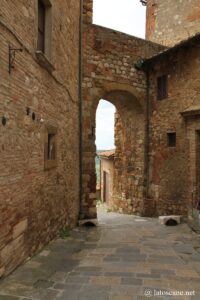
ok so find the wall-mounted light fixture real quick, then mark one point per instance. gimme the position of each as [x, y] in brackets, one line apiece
[11, 58]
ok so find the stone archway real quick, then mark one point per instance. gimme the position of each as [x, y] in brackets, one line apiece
[110, 61]
[128, 188]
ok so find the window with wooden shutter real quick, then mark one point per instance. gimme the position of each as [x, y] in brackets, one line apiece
[162, 87]
[41, 26]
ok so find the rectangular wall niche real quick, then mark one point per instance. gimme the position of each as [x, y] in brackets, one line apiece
[171, 139]
[50, 153]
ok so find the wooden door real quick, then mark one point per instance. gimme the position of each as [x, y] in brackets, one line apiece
[105, 187]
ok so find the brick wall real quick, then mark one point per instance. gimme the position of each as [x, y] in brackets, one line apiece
[35, 204]
[169, 22]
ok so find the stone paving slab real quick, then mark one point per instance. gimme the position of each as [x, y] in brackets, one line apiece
[125, 258]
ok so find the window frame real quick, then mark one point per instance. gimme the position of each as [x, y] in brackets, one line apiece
[171, 139]
[47, 51]
[162, 87]
[50, 163]
[41, 26]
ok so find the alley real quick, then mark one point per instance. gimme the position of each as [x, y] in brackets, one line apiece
[124, 258]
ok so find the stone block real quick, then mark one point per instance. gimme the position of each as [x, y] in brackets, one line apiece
[2, 271]
[92, 196]
[13, 248]
[163, 219]
[20, 228]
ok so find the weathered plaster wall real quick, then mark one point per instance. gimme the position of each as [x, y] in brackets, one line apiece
[169, 22]
[36, 204]
[173, 170]
[109, 73]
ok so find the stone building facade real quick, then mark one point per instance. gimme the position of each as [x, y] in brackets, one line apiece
[39, 125]
[174, 119]
[169, 22]
[174, 125]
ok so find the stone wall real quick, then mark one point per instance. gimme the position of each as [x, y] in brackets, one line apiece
[173, 172]
[169, 22]
[109, 72]
[35, 204]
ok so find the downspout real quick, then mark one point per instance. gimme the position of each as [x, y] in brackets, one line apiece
[147, 139]
[140, 65]
[147, 131]
[80, 110]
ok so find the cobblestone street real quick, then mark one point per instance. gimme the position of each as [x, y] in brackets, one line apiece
[124, 258]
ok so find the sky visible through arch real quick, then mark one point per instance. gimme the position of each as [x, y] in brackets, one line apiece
[123, 15]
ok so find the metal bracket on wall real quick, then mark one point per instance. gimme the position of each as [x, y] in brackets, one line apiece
[144, 2]
[11, 59]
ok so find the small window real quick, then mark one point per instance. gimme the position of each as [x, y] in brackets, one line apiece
[50, 149]
[44, 33]
[162, 85]
[41, 26]
[171, 139]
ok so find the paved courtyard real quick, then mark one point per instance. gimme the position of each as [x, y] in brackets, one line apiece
[124, 258]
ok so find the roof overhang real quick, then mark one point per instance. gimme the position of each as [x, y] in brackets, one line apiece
[191, 111]
[190, 42]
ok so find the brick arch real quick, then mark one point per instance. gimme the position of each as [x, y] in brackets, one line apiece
[128, 185]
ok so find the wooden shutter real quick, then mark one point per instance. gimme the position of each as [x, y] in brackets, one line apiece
[41, 26]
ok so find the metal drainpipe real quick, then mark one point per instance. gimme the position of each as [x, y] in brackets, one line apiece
[80, 109]
[147, 130]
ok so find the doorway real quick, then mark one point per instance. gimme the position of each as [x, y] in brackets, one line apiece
[106, 187]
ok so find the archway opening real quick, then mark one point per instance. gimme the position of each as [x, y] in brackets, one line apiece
[120, 152]
[105, 149]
